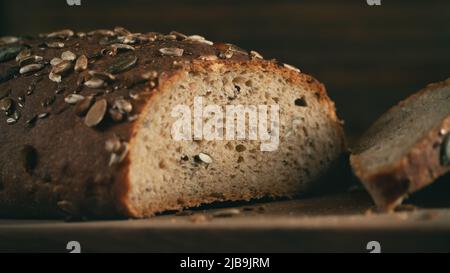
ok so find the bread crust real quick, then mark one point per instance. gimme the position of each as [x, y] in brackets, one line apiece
[391, 184]
[73, 176]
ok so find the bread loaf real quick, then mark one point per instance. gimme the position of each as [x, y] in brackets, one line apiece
[90, 125]
[407, 148]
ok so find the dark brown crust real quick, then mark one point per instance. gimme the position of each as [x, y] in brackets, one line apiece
[418, 168]
[72, 163]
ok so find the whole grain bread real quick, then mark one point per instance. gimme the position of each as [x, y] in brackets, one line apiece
[87, 130]
[407, 148]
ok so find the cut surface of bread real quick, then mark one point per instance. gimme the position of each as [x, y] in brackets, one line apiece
[167, 174]
[405, 149]
[89, 125]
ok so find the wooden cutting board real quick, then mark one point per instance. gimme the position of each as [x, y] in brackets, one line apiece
[333, 223]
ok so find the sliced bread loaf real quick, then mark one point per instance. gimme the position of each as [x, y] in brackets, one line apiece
[94, 127]
[407, 148]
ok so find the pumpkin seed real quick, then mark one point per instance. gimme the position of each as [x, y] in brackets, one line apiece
[29, 157]
[73, 98]
[96, 113]
[9, 52]
[65, 33]
[62, 67]
[122, 63]
[31, 68]
[172, 51]
[95, 83]
[68, 56]
[81, 63]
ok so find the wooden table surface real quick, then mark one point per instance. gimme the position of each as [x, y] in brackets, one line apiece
[333, 223]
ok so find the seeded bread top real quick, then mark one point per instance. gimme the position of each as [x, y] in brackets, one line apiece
[71, 100]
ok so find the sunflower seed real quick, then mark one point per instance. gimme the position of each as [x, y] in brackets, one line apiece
[178, 35]
[113, 144]
[30, 60]
[115, 114]
[54, 44]
[198, 39]
[96, 114]
[122, 63]
[149, 75]
[81, 34]
[9, 73]
[226, 212]
[43, 115]
[288, 66]
[31, 88]
[9, 52]
[172, 51]
[55, 61]
[5, 104]
[32, 120]
[102, 32]
[31, 68]
[121, 31]
[65, 33]
[8, 40]
[11, 121]
[83, 106]
[123, 105]
[255, 55]
[203, 158]
[73, 98]
[208, 57]
[81, 63]
[54, 77]
[95, 83]
[116, 158]
[132, 118]
[68, 56]
[102, 75]
[23, 54]
[115, 48]
[62, 67]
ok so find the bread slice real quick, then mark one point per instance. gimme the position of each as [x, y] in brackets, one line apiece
[102, 142]
[407, 148]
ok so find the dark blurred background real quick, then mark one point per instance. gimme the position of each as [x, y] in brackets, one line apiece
[368, 57]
